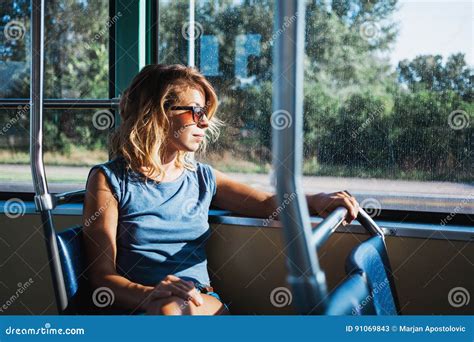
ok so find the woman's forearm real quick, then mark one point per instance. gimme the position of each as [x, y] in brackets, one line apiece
[127, 294]
[265, 205]
[272, 209]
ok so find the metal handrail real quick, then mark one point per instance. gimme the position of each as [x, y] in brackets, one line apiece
[368, 223]
[14, 103]
[305, 276]
[67, 197]
[329, 225]
[43, 199]
[324, 230]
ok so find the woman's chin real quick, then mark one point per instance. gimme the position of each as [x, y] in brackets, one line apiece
[192, 147]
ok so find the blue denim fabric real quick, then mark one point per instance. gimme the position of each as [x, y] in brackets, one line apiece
[201, 288]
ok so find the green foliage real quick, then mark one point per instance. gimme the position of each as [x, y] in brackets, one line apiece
[76, 66]
[427, 72]
[423, 138]
[360, 116]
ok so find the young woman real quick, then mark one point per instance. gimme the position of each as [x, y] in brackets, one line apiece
[145, 211]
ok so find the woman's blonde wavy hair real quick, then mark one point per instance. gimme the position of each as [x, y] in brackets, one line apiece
[141, 138]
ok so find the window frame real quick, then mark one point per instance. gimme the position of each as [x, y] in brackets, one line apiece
[125, 63]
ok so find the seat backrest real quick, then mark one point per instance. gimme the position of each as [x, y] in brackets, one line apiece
[370, 260]
[352, 297]
[72, 255]
[80, 295]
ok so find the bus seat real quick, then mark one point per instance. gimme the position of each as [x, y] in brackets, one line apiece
[71, 253]
[352, 297]
[370, 259]
[74, 264]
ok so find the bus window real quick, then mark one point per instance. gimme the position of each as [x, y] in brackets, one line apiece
[76, 69]
[387, 107]
[388, 104]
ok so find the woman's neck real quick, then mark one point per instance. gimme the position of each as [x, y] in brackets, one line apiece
[168, 161]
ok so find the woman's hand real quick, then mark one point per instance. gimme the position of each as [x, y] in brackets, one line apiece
[174, 286]
[323, 204]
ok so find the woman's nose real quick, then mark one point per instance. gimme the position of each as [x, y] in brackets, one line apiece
[204, 122]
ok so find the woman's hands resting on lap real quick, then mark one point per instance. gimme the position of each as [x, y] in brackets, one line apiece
[175, 286]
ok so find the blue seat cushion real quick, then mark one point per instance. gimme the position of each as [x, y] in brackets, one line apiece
[370, 259]
[72, 255]
[352, 297]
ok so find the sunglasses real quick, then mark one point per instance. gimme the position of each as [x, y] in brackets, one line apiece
[197, 112]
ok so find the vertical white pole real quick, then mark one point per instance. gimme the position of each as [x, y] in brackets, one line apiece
[192, 31]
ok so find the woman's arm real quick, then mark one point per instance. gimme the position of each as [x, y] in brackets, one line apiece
[100, 220]
[245, 200]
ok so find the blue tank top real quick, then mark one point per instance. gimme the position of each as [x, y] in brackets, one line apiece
[162, 227]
